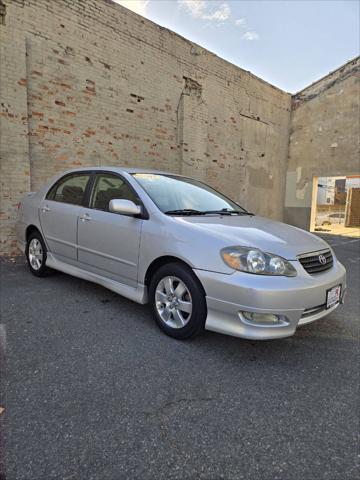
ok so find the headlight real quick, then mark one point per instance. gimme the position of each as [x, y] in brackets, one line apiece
[252, 260]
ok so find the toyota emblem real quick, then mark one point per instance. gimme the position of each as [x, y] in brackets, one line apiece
[322, 259]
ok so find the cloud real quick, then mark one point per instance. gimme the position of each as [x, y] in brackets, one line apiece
[137, 6]
[204, 10]
[240, 22]
[219, 15]
[196, 8]
[201, 9]
[250, 35]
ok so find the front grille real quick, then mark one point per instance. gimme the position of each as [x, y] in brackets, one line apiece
[312, 264]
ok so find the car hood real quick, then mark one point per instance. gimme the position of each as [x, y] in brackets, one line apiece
[254, 231]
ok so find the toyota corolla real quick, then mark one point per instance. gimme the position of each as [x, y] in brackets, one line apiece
[198, 258]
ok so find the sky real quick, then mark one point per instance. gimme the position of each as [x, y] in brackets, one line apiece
[288, 43]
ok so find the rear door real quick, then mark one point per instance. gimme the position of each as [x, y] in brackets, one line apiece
[59, 213]
[108, 243]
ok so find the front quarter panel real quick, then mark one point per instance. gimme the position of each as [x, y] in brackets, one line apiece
[164, 236]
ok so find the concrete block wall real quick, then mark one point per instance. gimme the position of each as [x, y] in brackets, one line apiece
[88, 82]
[324, 137]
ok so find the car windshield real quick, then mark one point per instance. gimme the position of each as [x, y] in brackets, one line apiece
[185, 196]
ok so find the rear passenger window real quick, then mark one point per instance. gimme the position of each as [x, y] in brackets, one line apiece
[108, 187]
[70, 189]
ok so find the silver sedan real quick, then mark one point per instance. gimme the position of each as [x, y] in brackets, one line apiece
[198, 258]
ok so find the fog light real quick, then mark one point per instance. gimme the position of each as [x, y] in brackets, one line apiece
[265, 318]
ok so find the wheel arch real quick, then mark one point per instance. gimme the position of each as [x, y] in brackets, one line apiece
[31, 229]
[163, 260]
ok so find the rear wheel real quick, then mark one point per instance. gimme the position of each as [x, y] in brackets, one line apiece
[178, 301]
[36, 255]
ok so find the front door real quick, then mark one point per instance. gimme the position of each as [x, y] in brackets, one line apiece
[59, 213]
[108, 243]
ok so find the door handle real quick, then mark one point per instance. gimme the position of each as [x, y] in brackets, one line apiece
[45, 209]
[85, 218]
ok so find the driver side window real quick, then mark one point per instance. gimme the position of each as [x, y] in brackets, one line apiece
[108, 187]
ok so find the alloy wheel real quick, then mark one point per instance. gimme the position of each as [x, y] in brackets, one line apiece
[35, 254]
[173, 302]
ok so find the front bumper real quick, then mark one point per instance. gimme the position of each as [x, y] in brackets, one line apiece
[296, 300]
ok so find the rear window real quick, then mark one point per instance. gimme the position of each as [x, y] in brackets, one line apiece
[70, 189]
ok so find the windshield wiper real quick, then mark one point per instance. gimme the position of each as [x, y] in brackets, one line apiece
[191, 211]
[226, 211]
[185, 211]
[246, 213]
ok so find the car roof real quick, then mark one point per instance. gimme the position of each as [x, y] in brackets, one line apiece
[121, 170]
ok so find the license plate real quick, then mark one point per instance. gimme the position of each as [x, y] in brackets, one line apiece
[333, 296]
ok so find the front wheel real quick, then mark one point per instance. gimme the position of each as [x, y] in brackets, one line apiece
[178, 301]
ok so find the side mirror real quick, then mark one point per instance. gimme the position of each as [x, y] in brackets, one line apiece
[125, 207]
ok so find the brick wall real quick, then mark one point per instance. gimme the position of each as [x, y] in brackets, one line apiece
[14, 139]
[92, 83]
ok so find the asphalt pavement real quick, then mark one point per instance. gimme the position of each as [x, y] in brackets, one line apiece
[93, 390]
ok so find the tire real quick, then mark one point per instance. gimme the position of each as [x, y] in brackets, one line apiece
[177, 300]
[36, 254]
